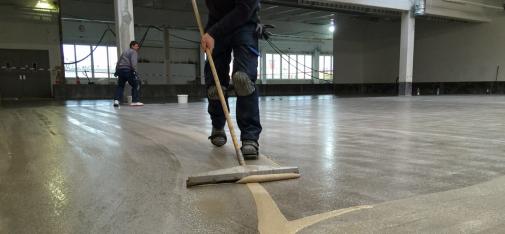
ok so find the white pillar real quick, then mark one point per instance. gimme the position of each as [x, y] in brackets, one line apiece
[315, 66]
[123, 10]
[406, 54]
[125, 33]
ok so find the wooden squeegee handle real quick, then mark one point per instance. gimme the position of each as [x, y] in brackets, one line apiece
[240, 158]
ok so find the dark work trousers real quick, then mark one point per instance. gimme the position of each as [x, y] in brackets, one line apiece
[127, 75]
[243, 42]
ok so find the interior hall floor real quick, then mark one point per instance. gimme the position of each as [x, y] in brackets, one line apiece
[424, 164]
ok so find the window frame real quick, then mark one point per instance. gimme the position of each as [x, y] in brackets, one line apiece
[110, 64]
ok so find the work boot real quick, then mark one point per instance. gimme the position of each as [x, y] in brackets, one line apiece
[250, 149]
[218, 137]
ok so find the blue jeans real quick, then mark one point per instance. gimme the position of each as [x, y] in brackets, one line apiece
[244, 44]
[126, 75]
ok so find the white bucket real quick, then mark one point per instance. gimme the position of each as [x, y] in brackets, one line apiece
[182, 98]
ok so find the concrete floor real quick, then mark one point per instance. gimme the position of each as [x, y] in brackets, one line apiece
[369, 165]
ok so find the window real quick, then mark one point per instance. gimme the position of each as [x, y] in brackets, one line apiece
[269, 66]
[285, 67]
[100, 64]
[259, 68]
[112, 56]
[300, 59]
[326, 67]
[292, 66]
[276, 66]
[83, 67]
[231, 66]
[69, 52]
[308, 67]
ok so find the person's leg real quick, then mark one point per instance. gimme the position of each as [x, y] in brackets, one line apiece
[222, 59]
[121, 80]
[135, 84]
[245, 52]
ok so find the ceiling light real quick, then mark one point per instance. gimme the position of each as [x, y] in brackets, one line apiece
[332, 26]
[44, 5]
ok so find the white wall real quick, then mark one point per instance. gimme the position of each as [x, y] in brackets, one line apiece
[381, 52]
[21, 30]
[459, 52]
[348, 50]
[444, 51]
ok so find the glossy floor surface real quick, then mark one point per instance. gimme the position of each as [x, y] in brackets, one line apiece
[380, 165]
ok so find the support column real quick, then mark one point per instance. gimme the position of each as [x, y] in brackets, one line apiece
[125, 33]
[315, 66]
[406, 54]
[167, 57]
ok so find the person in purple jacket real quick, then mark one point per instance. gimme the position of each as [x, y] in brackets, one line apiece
[231, 27]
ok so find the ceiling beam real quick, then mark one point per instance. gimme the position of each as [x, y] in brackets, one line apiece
[279, 13]
[299, 17]
[310, 7]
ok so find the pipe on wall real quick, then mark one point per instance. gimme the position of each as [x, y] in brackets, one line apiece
[463, 2]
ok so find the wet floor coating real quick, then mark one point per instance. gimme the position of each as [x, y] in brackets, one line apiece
[87, 167]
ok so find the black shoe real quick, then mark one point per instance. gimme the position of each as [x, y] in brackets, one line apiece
[250, 149]
[218, 137]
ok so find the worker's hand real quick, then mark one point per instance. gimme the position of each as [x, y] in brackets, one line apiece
[262, 31]
[207, 42]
